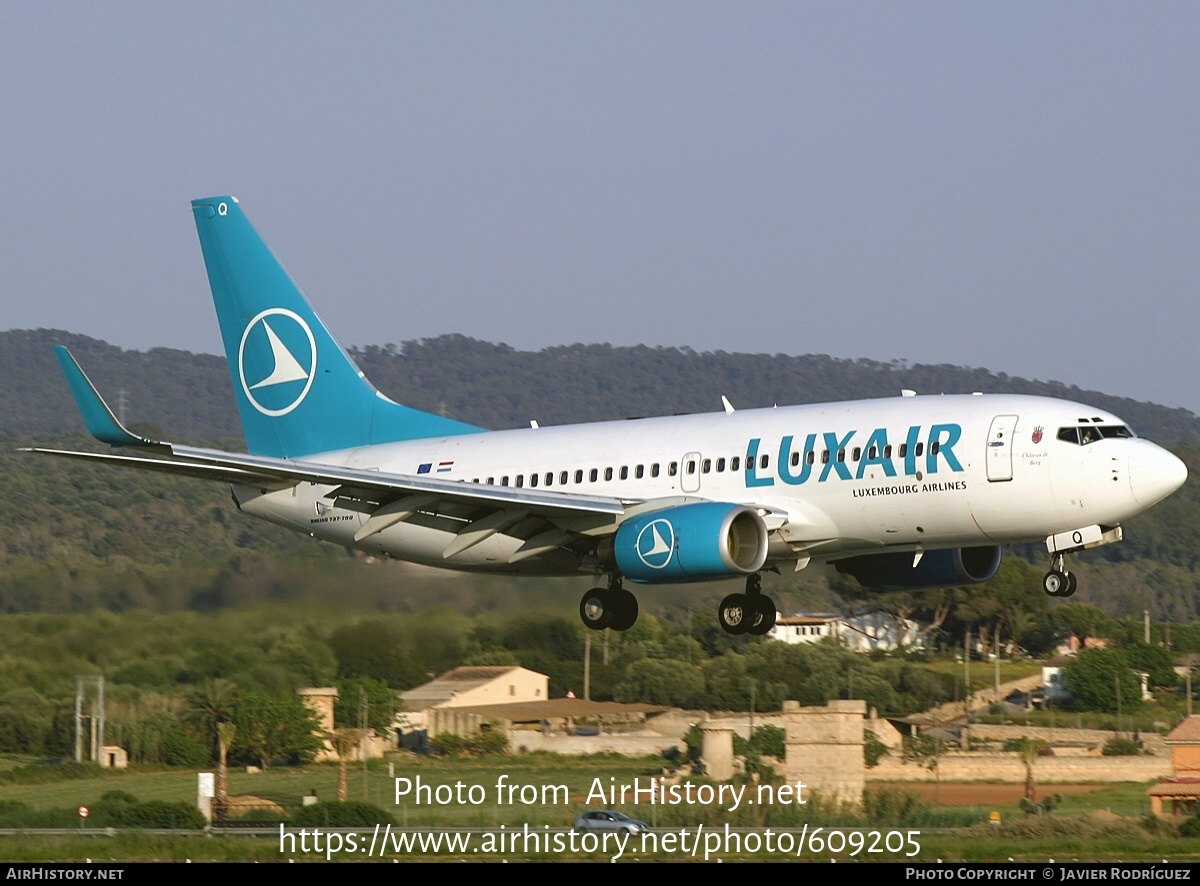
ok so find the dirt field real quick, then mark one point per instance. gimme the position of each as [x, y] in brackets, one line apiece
[985, 794]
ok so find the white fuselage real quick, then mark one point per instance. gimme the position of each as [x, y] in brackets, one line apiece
[836, 479]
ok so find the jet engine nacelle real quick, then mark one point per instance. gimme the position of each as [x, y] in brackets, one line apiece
[937, 569]
[689, 542]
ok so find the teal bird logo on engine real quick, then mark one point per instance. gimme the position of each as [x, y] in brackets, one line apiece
[656, 543]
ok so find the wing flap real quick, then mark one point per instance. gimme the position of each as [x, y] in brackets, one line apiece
[219, 473]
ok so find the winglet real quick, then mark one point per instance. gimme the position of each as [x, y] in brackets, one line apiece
[99, 419]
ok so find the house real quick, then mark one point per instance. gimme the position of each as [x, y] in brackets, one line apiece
[472, 686]
[469, 687]
[860, 633]
[1182, 788]
[1054, 687]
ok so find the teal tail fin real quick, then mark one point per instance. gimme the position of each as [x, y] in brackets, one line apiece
[298, 392]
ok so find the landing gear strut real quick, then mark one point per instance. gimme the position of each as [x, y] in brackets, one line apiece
[611, 607]
[750, 613]
[1058, 582]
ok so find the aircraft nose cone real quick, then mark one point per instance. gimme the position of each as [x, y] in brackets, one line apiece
[1154, 473]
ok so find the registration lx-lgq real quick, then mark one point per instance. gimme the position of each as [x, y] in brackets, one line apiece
[904, 493]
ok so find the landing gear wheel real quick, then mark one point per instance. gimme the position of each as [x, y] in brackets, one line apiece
[1059, 584]
[735, 614]
[596, 609]
[624, 608]
[1054, 583]
[764, 615]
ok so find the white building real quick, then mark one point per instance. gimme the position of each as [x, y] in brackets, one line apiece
[861, 633]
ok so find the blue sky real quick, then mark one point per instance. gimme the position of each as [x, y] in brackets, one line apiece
[1007, 186]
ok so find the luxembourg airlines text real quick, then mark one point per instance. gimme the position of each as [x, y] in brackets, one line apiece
[911, 488]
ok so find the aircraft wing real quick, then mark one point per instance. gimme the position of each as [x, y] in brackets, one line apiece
[387, 498]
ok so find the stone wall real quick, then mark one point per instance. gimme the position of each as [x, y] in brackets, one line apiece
[577, 745]
[1151, 741]
[1008, 768]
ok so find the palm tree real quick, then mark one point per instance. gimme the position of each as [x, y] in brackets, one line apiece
[345, 742]
[210, 711]
[1031, 749]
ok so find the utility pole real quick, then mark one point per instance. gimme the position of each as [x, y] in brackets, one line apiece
[965, 735]
[362, 743]
[587, 666]
[1117, 683]
[95, 718]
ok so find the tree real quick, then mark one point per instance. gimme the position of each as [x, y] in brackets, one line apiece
[1101, 680]
[374, 649]
[1082, 620]
[1155, 661]
[383, 703]
[653, 681]
[345, 742]
[1030, 749]
[271, 728]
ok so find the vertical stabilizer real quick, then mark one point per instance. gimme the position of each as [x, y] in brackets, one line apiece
[297, 390]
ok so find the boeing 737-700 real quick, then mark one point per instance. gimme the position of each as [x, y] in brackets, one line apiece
[910, 492]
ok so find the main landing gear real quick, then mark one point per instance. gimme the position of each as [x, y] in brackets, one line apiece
[1058, 582]
[750, 613]
[611, 607]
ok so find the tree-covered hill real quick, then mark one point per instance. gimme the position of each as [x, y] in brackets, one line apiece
[189, 395]
[80, 536]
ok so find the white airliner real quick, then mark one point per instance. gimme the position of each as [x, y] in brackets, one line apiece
[900, 493]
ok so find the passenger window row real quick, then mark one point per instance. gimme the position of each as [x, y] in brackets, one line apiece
[691, 466]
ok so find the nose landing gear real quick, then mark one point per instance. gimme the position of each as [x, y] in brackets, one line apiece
[611, 607]
[1058, 582]
[750, 613]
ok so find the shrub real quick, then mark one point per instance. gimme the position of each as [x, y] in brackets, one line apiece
[893, 806]
[1121, 747]
[37, 773]
[447, 744]
[1190, 827]
[770, 741]
[485, 743]
[341, 814]
[121, 809]
[161, 814]
[873, 749]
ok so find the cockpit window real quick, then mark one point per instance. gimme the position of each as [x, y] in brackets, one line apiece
[1085, 434]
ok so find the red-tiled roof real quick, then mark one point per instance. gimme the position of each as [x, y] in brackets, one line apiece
[1175, 787]
[1188, 730]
